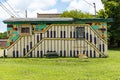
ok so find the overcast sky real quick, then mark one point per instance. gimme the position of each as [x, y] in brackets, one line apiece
[45, 6]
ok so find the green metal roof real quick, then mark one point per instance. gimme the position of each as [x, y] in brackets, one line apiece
[54, 20]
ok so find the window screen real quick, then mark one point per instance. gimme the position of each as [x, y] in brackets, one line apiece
[25, 30]
[80, 32]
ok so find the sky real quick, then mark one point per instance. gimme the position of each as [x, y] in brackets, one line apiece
[33, 7]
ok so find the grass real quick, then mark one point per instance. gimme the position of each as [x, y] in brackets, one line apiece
[61, 68]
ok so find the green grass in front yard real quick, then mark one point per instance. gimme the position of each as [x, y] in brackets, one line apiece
[61, 68]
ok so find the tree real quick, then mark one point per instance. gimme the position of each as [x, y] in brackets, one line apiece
[76, 14]
[102, 14]
[3, 35]
[112, 10]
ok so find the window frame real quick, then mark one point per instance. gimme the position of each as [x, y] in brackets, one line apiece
[80, 32]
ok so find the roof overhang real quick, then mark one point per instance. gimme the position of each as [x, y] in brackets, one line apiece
[54, 20]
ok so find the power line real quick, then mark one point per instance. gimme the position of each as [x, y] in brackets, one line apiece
[94, 5]
[88, 3]
[11, 7]
[7, 10]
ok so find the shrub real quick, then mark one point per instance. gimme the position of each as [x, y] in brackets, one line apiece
[52, 55]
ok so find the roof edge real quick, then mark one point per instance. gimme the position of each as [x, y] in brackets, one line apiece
[15, 20]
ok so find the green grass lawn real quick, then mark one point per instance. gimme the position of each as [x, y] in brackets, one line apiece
[61, 68]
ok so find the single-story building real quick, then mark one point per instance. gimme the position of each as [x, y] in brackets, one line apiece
[68, 37]
[3, 43]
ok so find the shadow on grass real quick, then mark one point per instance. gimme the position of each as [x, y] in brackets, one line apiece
[114, 49]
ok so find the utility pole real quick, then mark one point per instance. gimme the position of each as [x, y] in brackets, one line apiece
[94, 8]
[26, 13]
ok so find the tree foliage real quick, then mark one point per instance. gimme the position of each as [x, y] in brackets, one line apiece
[3, 35]
[112, 10]
[102, 14]
[76, 14]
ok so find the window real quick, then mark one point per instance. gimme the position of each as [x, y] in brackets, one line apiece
[74, 34]
[17, 54]
[30, 45]
[60, 34]
[103, 47]
[40, 35]
[27, 48]
[41, 54]
[70, 53]
[83, 51]
[87, 36]
[94, 54]
[70, 34]
[64, 53]
[90, 53]
[48, 34]
[13, 54]
[95, 41]
[37, 38]
[30, 54]
[80, 32]
[25, 30]
[60, 53]
[77, 52]
[10, 26]
[86, 53]
[90, 37]
[100, 47]
[37, 53]
[74, 53]
[54, 34]
[24, 52]
[51, 34]
[64, 34]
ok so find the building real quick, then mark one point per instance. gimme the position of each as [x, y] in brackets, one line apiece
[2, 46]
[3, 43]
[68, 37]
[48, 15]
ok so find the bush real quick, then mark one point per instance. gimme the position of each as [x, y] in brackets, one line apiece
[52, 55]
